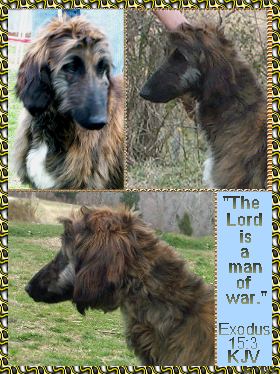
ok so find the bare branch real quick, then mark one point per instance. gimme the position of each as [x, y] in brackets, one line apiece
[230, 13]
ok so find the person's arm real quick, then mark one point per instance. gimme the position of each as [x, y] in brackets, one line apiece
[171, 19]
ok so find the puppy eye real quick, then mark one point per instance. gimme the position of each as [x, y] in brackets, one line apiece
[178, 56]
[102, 67]
[73, 66]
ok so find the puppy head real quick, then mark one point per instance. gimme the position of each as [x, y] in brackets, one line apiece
[92, 266]
[196, 64]
[68, 67]
[178, 74]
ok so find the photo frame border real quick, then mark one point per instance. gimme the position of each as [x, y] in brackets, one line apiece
[273, 154]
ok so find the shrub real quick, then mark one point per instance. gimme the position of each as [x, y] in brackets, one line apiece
[184, 224]
[130, 199]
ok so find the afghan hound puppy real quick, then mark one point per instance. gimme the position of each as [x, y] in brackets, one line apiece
[71, 133]
[231, 106]
[111, 259]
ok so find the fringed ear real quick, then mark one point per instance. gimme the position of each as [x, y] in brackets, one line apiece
[34, 86]
[99, 276]
[219, 77]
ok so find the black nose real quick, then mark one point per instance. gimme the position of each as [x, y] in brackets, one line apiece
[28, 288]
[95, 122]
[145, 92]
[98, 119]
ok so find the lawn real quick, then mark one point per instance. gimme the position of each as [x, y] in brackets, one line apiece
[41, 334]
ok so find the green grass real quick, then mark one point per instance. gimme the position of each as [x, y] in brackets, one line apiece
[24, 230]
[42, 334]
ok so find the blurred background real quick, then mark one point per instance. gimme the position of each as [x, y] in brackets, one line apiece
[24, 26]
[166, 149]
[40, 334]
[165, 211]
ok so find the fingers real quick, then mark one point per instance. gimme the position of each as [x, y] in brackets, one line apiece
[171, 19]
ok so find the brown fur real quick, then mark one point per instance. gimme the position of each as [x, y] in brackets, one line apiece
[120, 262]
[231, 106]
[77, 157]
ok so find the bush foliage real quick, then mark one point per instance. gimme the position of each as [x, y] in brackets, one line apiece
[184, 224]
[130, 199]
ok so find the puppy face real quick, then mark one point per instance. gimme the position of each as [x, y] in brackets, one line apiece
[68, 67]
[81, 82]
[93, 263]
[179, 73]
[54, 282]
[175, 77]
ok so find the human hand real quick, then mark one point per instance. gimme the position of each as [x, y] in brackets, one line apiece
[171, 19]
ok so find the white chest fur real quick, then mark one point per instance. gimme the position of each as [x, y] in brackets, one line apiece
[208, 170]
[36, 167]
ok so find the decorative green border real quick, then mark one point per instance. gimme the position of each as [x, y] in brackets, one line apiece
[273, 154]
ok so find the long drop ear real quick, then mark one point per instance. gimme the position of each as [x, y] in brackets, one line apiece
[219, 77]
[99, 277]
[34, 87]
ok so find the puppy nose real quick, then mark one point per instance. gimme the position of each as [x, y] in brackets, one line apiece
[28, 288]
[145, 92]
[97, 122]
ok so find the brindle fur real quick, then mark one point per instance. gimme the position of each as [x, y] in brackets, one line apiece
[110, 259]
[231, 106]
[58, 113]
